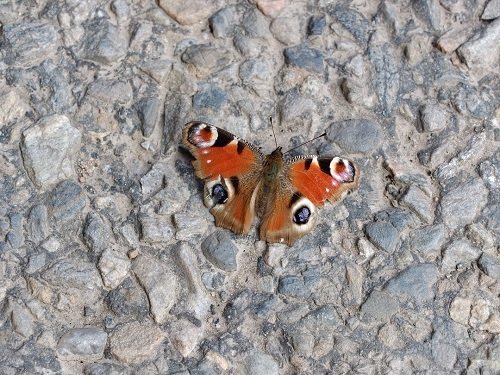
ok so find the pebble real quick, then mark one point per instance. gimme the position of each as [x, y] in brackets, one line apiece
[462, 201]
[444, 354]
[188, 12]
[48, 149]
[135, 342]
[428, 241]
[428, 11]
[258, 363]
[316, 25]
[15, 237]
[21, 319]
[128, 299]
[210, 97]
[38, 224]
[114, 266]
[206, 58]
[416, 281]
[103, 42]
[13, 107]
[105, 369]
[383, 235]
[109, 92]
[156, 228]
[353, 21]
[305, 57]
[185, 336]
[160, 284]
[223, 22]
[482, 50]
[490, 265]
[97, 233]
[492, 10]
[433, 118]
[380, 306]
[189, 226]
[221, 251]
[459, 253]
[28, 44]
[270, 7]
[148, 110]
[83, 344]
[420, 203]
[287, 29]
[355, 136]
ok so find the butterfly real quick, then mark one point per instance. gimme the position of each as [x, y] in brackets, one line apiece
[241, 183]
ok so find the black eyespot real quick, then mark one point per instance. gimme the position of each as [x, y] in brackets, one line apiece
[302, 215]
[219, 194]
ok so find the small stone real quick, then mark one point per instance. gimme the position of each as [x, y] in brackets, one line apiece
[256, 73]
[459, 252]
[209, 96]
[418, 48]
[293, 286]
[287, 29]
[185, 336]
[188, 12]
[305, 57]
[259, 363]
[444, 354]
[51, 245]
[303, 342]
[417, 201]
[206, 58]
[128, 299]
[103, 42]
[15, 237]
[460, 310]
[114, 266]
[383, 235]
[148, 110]
[156, 228]
[223, 22]
[490, 265]
[13, 106]
[28, 44]
[270, 7]
[105, 369]
[82, 344]
[36, 262]
[189, 226]
[462, 202]
[110, 91]
[220, 250]
[355, 136]
[160, 283]
[135, 342]
[428, 11]
[417, 281]
[489, 170]
[97, 233]
[390, 336]
[48, 149]
[427, 241]
[21, 319]
[380, 306]
[356, 91]
[433, 118]
[316, 25]
[492, 10]
[483, 49]
[352, 21]
[454, 38]
[38, 224]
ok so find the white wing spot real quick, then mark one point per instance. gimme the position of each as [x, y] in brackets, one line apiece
[209, 161]
[282, 240]
[327, 190]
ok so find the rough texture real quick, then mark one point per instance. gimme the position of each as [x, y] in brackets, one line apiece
[111, 264]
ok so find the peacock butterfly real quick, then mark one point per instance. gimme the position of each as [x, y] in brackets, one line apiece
[241, 182]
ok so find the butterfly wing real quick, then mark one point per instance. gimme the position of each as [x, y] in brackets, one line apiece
[306, 183]
[230, 168]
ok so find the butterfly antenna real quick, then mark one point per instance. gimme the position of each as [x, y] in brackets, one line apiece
[306, 142]
[272, 128]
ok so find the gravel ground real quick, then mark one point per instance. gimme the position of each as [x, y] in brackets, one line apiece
[110, 263]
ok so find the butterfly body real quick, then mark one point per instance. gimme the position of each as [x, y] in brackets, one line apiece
[241, 183]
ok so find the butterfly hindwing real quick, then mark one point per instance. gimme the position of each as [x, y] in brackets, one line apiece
[230, 168]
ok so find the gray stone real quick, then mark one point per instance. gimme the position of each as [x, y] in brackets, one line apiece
[128, 299]
[316, 25]
[148, 110]
[156, 228]
[427, 241]
[66, 201]
[256, 73]
[462, 202]
[255, 24]
[48, 149]
[305, 57]
[483, 49]
[209, 96]
[492, 10]
[97, 233]
[383, 235]
[185, 336]
[223, 22]
[14, 106]
[82, 344]
[489, 170]
[429, 12]
[416, 281]
[459, 252]
[260, 363]
[206, 58]
[135, 342]
[28, 44]
[353, 21]
[21, 318]
[188, 12]
[417, 201]
[15, 237]
[114, 266]
[287, 29]
[220, 250]
[293, 286]
[36, 262]
[444, 354]
[359, 135]
[38, 224]
[213, 280]
[109, 92]
[59, 95]
[295, 109]
[160, 284]
[490, 265]
[105, 369]
[103, 42]
[189, 226]
[380, 306]
[433, 118]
